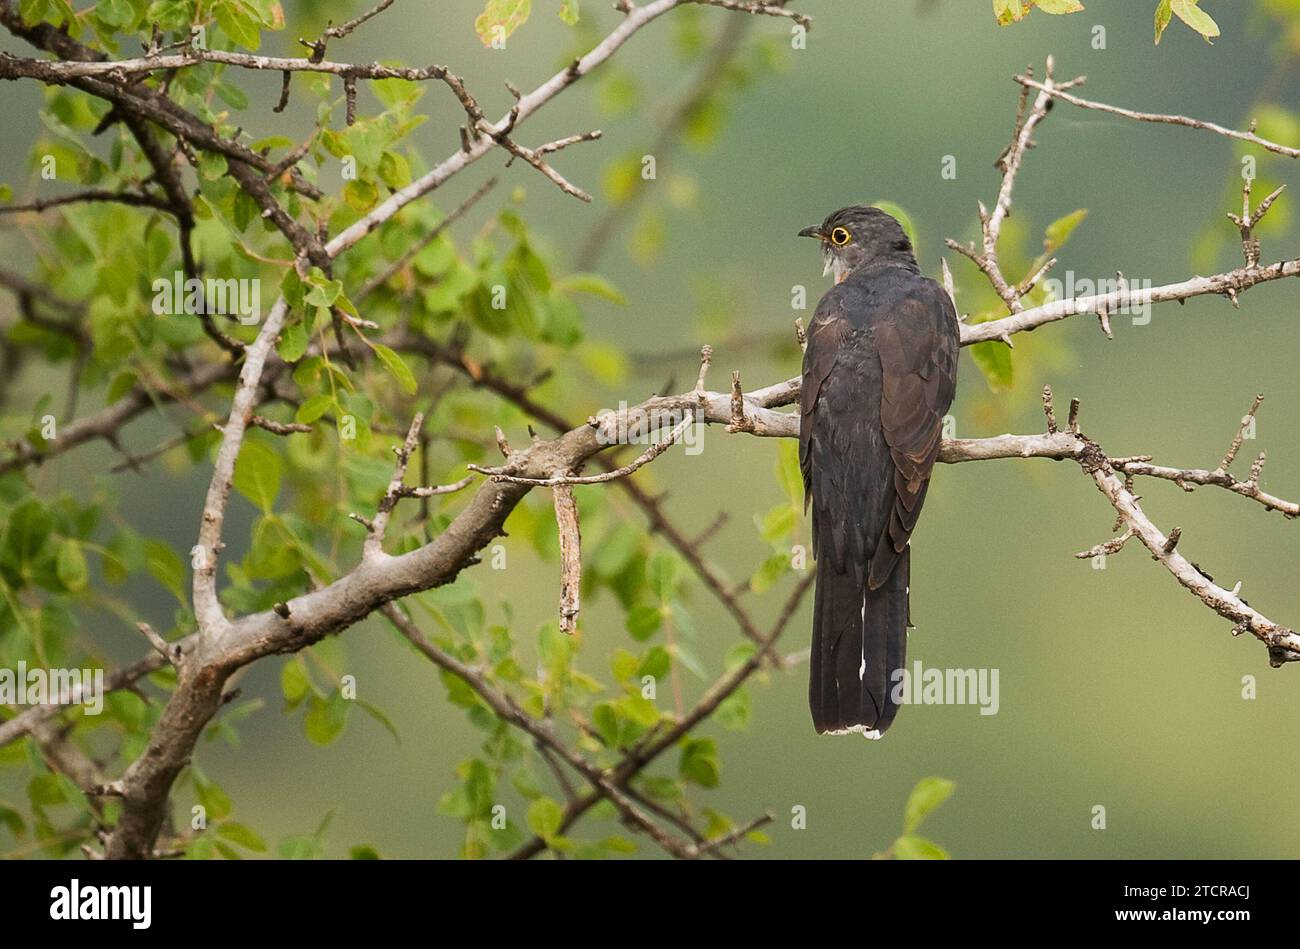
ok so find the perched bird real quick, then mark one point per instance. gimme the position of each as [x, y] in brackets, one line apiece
[879, 374]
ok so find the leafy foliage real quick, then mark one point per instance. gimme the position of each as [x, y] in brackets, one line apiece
[419, 336]
[500, 18]
[1189, 11]
[925, 798]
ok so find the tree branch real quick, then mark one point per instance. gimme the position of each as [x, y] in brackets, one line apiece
[1059, 93]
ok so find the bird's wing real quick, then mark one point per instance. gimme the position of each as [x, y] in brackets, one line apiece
[828, 329]
[845, 462]
[917, 341]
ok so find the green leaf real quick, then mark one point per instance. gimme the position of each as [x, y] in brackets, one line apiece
[13, 820]
[545, 816]
[1059, 6]
[928, 794]
[624, 665]
[769, 572]
[1164, 13]
[500, 18]
[378, 715]
[323, 292]
[257, 474]
[325, 719]
[994, 360]
[293, 342]
[604, 719]
[394, 170]
[616, 844]
[301, 847]
[662, 573]
[591, 284]
[1196, 18]
[114, 13]
[166, 567]
[918, 848]
[737, 656]
[294, 682]
[644, 620]
[778, 522]
[124, 556]
[212, 798]
[71, 566]
[735, 711]
[657, 663]
[638, 709]
[398, 367]
[311, 410]
[363, 852]
[1059, 231]
[45, 790]
[1010, 11]
[243, 835]
[122, 383]
[237, 22]
[28, 529]
[788, 472]
[200, 848]
[212, 165]
[569, 11]
[699, 762]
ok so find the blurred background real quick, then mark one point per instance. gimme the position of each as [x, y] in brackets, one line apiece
[1117, 688]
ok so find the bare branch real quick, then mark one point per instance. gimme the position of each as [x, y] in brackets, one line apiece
[759, 8]
[374, 544]
[1027, 120]
[1059, 93]
[428, 492]
[1247, 222]
[160, 645]
[647, 456]
[566, 520]
[1189, 478]
[387, 273]
[735, 835]
[133, 198]
[1234, 281]
[338, 32]
[637, 17]
[1112, 546]
[207, 607]
[1237, 439]
[279, 428]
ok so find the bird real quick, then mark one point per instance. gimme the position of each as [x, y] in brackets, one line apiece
[879, 376]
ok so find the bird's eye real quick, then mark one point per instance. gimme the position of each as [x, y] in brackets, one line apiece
[840, 236]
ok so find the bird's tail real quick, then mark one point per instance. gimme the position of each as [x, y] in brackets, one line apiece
[859, 640]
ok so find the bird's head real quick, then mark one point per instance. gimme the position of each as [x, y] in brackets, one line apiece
[856, 236]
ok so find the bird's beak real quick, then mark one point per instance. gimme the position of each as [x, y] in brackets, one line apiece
[814, 231]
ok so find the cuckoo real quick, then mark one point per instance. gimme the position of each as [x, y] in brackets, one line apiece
[879, 374]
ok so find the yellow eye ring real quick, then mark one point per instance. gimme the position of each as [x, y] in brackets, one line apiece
[840, 236]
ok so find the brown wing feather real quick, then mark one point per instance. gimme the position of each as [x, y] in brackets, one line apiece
[827, 331]
[918, 355]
